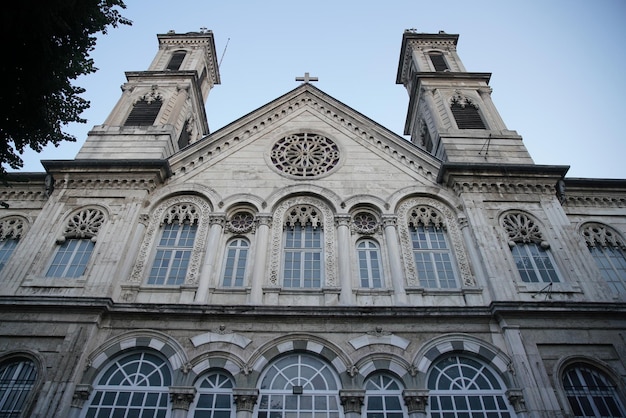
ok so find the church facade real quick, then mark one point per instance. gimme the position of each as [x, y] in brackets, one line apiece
[305, 261]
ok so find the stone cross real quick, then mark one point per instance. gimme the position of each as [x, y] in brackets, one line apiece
[306, 78]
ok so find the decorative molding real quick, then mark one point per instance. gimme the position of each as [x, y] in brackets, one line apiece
[445, 218]
[182, 396]
[352, 400]
[12, 227]
[364, 223]
[521, 228]
[241, 222]
[245, 399]
[281, 218]
[84, 224]
[305, 155]
[415, 400]
[516, 398]
[81, 394]
[594, 234]
[200, 213]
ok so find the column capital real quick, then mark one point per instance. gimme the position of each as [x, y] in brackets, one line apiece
[182, 396]
[264, 220]
[217, 220]
[389, 220]
[415, 400]
[81, 394]
[516, 398]
[245, 399]
[352, 400]
[342, 220]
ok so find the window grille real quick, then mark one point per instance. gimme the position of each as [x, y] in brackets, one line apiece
[144, 113]
[466, 114]
[383, 397]
[17, 378]
[368, 253]
[591, 393]
[215, 397]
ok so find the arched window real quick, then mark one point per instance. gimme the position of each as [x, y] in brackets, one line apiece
[461, 386]
[136, 385]
[383, 397]
[299, 385]
[144, 111]
[10, 233]
[608, 250]
[530, 252]
[17, 378]
[466, 114]
[439, 62]
[176, 60]
[215, 397]
[235, 262]
[303, 248]
[77, 244]
[431, 251]
[370, 272]
[591, 393]
[173, 253]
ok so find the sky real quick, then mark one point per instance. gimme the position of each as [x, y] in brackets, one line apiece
[558, 66]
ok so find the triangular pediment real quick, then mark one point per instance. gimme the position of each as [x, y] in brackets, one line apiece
[243, 149]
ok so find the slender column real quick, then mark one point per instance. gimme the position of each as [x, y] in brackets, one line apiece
[343, 236]
[81, 394]
[429, 96]
[245, 399]
[395, 263]
[261, 245]
[470, 245]
[352, 402]
[415, 401]
[207, 273]
[490, 109]
[181, 398]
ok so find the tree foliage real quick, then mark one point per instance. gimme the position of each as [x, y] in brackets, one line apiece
[47, 46]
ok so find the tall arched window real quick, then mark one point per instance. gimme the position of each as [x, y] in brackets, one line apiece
[235, 260]
[591, 393]
[176, 60]
[383, 397]
[303, 248]
[135, 384]
[370, 272]
[609, 251]
[530, 252]
[299, 385]
[431, 250]
[10, 233]
[173, 253]
[466, 114]
[215, 397]
[462, 386]
[77, 244]
[439, 62]
[17, 378]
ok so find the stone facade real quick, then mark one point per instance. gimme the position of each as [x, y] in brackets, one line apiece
[306, 259]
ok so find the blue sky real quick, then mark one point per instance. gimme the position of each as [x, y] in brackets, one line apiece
[558, 66]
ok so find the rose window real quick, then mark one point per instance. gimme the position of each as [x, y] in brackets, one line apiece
[241, 222]
[305, 155]
[365, 223]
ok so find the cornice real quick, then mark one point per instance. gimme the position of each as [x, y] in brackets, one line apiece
[501, 178]
[108, 174]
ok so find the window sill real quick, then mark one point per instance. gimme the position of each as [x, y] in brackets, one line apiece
[444, 292]
[373, 292]
[54, 282]
[545, 288]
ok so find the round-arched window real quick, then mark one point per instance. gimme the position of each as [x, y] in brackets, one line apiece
[305, 155]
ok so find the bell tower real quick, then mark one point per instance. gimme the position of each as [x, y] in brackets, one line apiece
[450, 113]
[161, 110]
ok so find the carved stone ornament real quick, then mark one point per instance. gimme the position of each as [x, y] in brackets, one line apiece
[516, 398]
[11, 227]
[240, 223]
[365, 223]
[595, 234]
[352, 400]
[245, 399]
[191, 208]
[303, 209]
[81, 394]
[182, 396]
[151, 96]
[415, 400]
[462, 101]
[521, 228]
[305, 155]
[84, 224]
[429, 211]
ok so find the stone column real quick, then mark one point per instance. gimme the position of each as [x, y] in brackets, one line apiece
[415, 401]
[395, 261]
[181, 398]
[352, 402]
[343, 250]
[206, 273]
[497, 124]
[245, 399]
[81, 394]
[429, 96]
[470, 245]
[261, 245]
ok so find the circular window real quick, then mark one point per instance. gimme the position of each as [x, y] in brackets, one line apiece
[241, 222]
[305, 155]
[365, 222]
